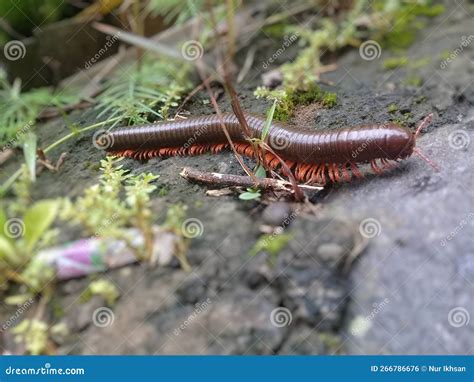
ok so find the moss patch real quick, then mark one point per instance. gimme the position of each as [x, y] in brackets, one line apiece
[290, 98]
[395, 62]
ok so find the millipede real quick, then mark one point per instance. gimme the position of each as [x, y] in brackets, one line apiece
[315, 157]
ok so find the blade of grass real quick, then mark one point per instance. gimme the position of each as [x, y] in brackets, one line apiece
[9, 182]
[29, 151]
[268, 122]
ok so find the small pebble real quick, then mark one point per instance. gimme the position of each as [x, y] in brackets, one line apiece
[331, 253]
[277, 214]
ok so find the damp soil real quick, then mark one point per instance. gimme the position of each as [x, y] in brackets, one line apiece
[395, 297]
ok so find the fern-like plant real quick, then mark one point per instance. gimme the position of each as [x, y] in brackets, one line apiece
[143, 90]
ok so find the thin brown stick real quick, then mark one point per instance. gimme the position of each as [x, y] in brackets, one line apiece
[221, 119]
[299, 195]
[218, 180]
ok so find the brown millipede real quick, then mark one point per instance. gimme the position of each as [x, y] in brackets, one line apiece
[315, 156]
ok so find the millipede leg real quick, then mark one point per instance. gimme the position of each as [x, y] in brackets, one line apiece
[345, 173]
[355, 170]
[375, 167]
[331, 173]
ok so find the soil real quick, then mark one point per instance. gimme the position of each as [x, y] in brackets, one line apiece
[399, 294]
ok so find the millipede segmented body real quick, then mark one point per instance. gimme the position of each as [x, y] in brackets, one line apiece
[314, 156]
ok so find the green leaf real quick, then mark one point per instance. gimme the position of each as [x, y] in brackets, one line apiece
[269, 120]
[3, 220]
[7, 250]
[249, 195]
[260, 172]
[20, 299]
[29, 150]
[38, 219]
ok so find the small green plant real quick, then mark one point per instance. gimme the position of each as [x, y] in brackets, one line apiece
[36, 335]
[392, 108]
[26, 229]
[144, 90]
[271, 244]
[103, 211]
[101, 287]
[19, 110]
[250, 194]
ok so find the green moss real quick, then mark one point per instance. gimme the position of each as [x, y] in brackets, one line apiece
[419, 63]
[275, 30]
[395, 62]
[415, 81]
[430, 10]
[305, 97]
[405, 25]
[392, 108]
[289, 98]
[284, 110]
[445, 54]
[330, 100]
[400, 39]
